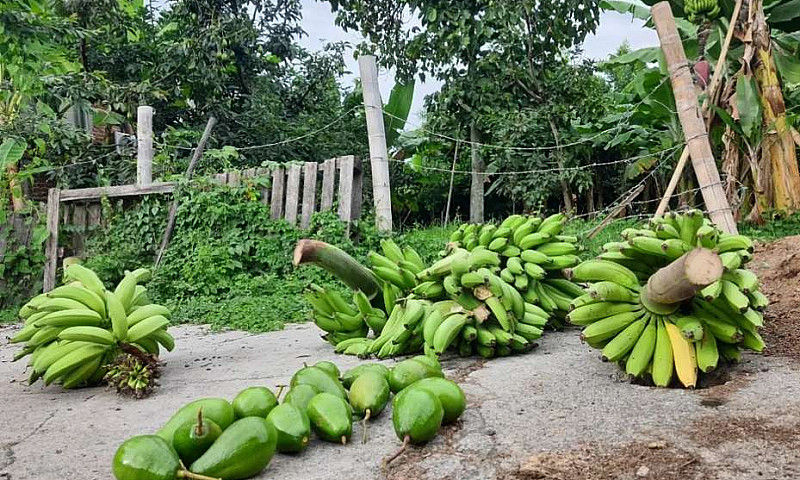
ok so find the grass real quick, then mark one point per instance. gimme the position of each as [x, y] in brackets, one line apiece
[773, 229]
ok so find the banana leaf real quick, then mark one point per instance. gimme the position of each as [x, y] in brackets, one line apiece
[397, 110]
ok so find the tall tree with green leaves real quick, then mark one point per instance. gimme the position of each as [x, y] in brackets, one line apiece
[484, 51]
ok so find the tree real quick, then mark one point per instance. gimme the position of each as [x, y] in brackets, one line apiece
[748, 114]
[482, 50]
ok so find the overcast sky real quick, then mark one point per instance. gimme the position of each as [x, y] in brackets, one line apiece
[318, 22]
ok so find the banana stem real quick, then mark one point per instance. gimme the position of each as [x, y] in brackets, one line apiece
[683, 278]
[339, 263]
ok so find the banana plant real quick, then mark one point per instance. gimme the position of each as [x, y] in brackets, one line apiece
[754, 132]
[397, 109]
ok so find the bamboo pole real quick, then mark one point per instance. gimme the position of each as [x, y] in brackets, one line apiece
[710, 99]
[683, 278]
[691, 120]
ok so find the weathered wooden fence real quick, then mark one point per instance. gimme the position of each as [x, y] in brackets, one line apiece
[15, 232]
[295, 192]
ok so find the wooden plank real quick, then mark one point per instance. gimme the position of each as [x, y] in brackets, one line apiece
[221, 178]
[93, 215]
[51, 247]
[278, 186]
[234, 179]
[292, 193]
[346, 188]
[358, 188]
[79, 222]
[116, 191]
[144, 150]
[65, 215]
[694, 128]
[328, 183]
[309, 193]
[262, 173]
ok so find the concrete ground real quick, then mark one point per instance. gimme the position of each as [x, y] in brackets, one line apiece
[555, 413]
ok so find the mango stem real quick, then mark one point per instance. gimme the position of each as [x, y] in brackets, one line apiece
[387, 461]
[364, 425]
[280, 391]
[198, 429]
[344, 440]
[194, 476]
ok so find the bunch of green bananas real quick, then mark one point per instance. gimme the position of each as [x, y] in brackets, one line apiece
[657, 340]
[532, 249]
[340, 319]
[73, 331]
[699, 11]
[460, 302]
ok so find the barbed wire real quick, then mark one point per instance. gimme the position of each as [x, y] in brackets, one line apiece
[543, 170]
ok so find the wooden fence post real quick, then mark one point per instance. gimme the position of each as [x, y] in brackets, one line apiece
[378, 156]
[358, 188]
[694, 128]
[261, 173]
[292, 193]
[144, 141]
[346, 188]
[328, 184]
[309, 193]
[79, 221]
[51, 247]
[278, 185]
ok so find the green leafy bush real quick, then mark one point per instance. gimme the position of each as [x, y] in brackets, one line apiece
[228, 263]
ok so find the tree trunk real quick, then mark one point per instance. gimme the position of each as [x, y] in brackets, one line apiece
[565, 192]
[476, 188]
[778, 154]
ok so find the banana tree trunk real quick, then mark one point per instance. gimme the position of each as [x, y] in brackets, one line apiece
[15, 189]
[778, 154]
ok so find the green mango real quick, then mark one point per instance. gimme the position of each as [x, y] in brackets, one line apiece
[329, 367]
[254, 402]
[243, 450]
[293, 427]
[300, 395]
[146, 457]
[449, 394]
[331, 417]
[429, 361]
[217, 410]
[409, 371]
[194, 437]
[369, 394]
[320, 379]
[416, 415]
[349, 376]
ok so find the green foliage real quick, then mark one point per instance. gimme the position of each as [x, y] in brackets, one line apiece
[228, 263]
[775, 228]
[611, 233]
[23, 259]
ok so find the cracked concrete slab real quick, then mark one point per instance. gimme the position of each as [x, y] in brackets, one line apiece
[555, 400]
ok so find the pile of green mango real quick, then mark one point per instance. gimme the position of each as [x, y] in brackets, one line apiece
[212, 438]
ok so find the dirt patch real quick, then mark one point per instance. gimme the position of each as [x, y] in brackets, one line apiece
[714, 431]
[628, 461]
[777, 265]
